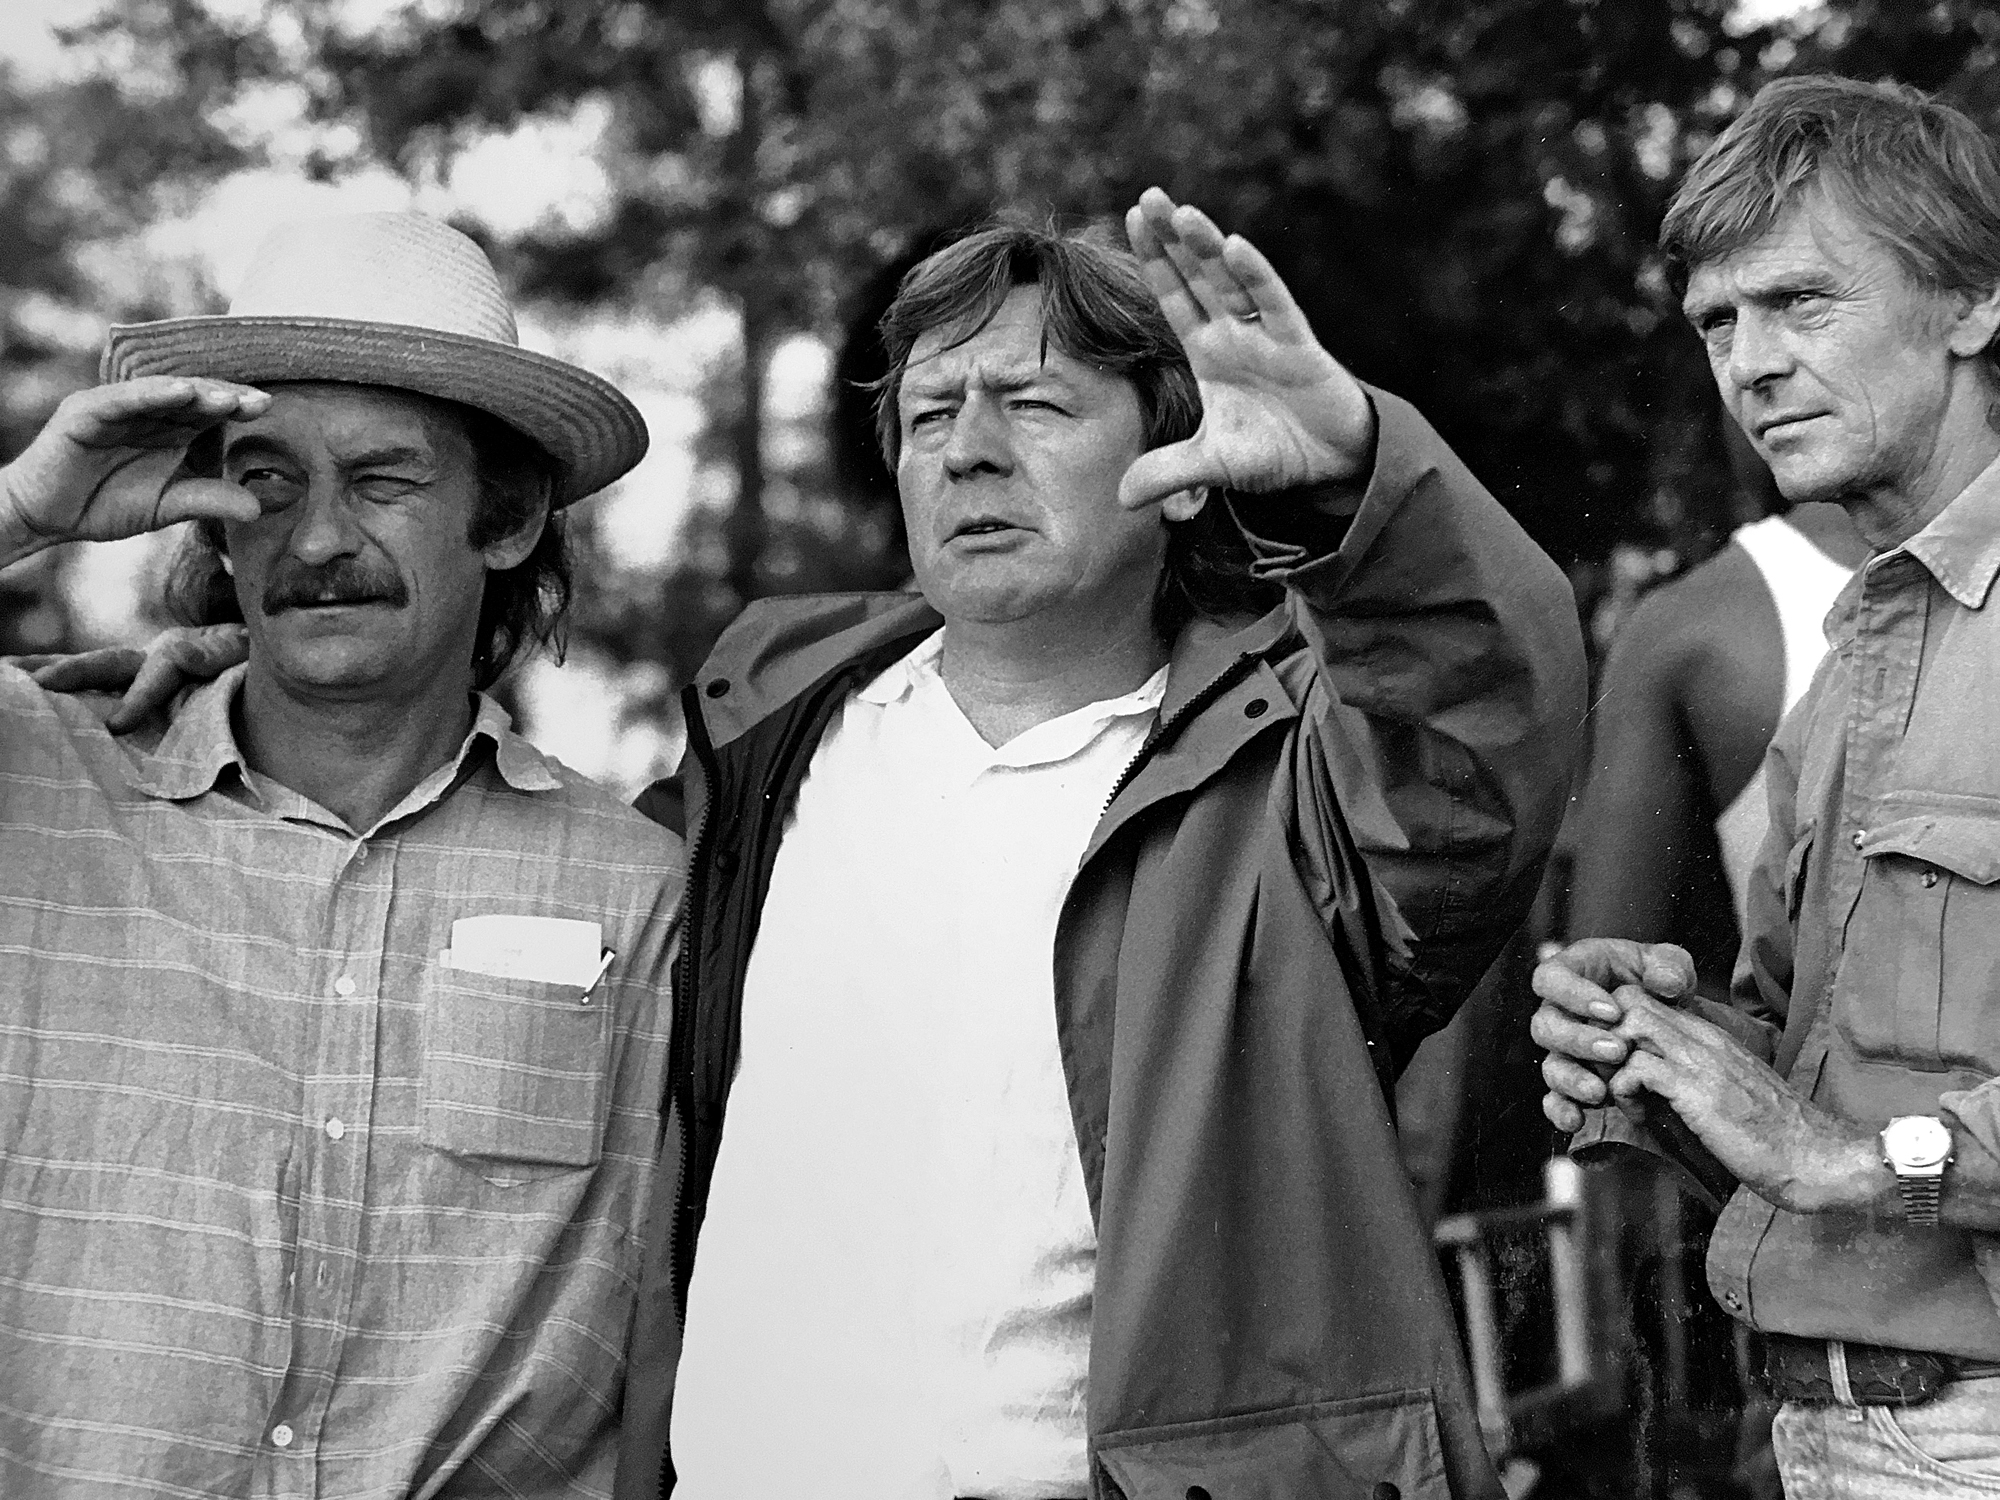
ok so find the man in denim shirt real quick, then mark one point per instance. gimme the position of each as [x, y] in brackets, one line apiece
[1841, 251]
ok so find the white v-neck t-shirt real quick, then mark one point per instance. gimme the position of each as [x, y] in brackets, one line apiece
[891, 1293]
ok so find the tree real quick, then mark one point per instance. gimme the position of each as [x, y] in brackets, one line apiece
[82, 164]
[1465, 195]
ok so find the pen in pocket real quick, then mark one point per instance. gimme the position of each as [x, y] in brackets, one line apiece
[603, 964]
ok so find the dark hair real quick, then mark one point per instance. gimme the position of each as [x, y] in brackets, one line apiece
[1096, 308]
[1921, 177]
[515, 476]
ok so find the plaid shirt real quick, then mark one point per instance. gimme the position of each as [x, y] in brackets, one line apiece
[287, 1206]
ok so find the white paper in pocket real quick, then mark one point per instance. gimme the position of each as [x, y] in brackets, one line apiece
[554, 950]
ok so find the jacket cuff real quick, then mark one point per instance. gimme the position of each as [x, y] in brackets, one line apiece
[1292, 528]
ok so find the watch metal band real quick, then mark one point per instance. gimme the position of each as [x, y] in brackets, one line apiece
[1920, 1198]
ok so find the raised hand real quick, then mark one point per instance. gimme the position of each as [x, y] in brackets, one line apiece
[1277, 409]
[109, 464]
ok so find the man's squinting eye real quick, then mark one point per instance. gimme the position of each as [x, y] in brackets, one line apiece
[386, 486]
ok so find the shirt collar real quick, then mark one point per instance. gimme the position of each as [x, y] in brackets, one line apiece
[1961, 545]
[900, 678]
[200, 744]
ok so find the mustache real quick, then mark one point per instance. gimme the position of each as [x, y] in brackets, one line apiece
[342, 581]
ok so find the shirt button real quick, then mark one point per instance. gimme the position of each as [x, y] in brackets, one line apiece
[281, 1436]
[344, 985]
[1731, 1300]
[335, 1129]
[1930, 879]
[1857, 839]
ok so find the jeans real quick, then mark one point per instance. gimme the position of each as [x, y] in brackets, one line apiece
[1946, 1449]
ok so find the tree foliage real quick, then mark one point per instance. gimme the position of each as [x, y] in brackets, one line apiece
[1464, 193]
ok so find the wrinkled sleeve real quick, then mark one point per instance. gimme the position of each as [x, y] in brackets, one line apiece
[1446, 703]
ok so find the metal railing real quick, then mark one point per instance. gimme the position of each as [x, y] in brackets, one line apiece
[1589, 1380]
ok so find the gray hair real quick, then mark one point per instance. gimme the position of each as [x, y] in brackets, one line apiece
[1915, 173]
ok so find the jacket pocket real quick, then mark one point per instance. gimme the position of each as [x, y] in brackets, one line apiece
[1380, 1447]
[515, 1071]
[1922, 951]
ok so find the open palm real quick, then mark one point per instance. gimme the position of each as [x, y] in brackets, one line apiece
[1278, 411]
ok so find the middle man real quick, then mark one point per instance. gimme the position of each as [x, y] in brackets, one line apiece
[1053, 935]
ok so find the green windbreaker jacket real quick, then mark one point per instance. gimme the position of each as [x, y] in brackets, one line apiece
[1340, 818]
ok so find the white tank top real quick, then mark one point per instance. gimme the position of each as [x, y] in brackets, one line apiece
[1803, 582]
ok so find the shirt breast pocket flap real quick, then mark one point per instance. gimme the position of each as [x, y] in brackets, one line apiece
[515, 1070]
[1920, 950]
[1358, 1449]
[1960, 842]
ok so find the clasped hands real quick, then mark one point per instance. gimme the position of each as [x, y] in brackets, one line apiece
[1615, 1036]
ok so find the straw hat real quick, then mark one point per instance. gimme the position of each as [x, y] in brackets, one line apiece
[400, 300]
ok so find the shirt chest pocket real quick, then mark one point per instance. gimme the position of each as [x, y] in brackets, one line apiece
[515, 1070]
[1920, 972]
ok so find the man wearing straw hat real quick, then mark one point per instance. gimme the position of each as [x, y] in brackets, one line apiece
[332, 1049]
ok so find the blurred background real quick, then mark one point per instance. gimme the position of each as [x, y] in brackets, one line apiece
[709, 201]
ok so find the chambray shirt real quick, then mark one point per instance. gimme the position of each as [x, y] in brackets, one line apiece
[1874, 936]
[287, 1207]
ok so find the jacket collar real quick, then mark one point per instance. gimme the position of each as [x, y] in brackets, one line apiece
[1205, 649]
[200, 746]
[778, 648]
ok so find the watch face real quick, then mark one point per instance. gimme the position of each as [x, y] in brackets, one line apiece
[1916, 1141]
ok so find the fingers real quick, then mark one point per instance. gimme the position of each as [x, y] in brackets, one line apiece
[1578, 979]
[1557, 1031]
[207, 500]
[1197, 272]
[174, 659]
[1574, 1081]
[1162, 472]
[104, 671]
[1275, 306]
[1581, 976]
[1142, 225]
[1662, 1028]
[1562, 1114]
[1668, 971]
[1646, 1074]
[102, 413]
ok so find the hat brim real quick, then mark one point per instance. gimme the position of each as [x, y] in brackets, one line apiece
[591, 431]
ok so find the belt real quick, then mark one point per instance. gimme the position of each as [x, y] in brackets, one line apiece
[1801, 1369]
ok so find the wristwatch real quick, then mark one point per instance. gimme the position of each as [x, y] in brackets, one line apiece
[1917, 1148]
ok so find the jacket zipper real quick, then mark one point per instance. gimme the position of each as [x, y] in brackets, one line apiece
[1208, 693]
[680, 1054]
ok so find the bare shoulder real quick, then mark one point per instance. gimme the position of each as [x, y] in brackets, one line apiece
[1712, 629]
